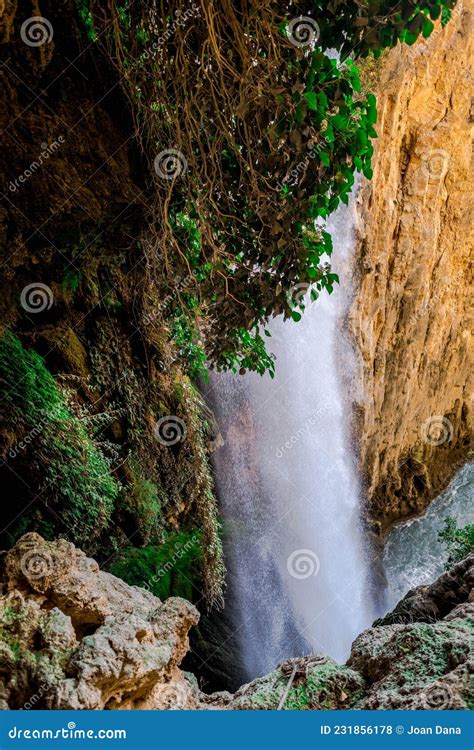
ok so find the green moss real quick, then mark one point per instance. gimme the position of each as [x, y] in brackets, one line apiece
[72, 472]
[72, 281]
[145, 502]
[85, 15]
[321, 688]
[169, 569]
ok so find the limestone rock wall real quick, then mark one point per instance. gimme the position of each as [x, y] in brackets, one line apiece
[75, 637]
[410, 315]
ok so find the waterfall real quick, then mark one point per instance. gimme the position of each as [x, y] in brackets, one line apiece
[414, 555]
[288, 486]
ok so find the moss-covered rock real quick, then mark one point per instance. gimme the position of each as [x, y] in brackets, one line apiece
[310, 683]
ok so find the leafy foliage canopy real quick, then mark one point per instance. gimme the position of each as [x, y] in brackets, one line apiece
[253, 128]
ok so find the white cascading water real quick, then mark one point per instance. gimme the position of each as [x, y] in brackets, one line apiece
[288, 486]
[414, 555]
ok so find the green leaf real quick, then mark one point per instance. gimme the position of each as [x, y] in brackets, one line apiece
[323, 100]
[368, 172]
[410, 38]
[296, 316]
[310, 97]
[427, 28]
[325, 158]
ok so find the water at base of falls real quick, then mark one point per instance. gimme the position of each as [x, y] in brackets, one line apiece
[414, 555]
[287, 483]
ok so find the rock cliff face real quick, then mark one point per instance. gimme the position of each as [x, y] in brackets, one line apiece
[76, 291]
[74, 637]
[410, 316]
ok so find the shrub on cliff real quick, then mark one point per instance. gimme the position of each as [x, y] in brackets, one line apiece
[459, 542]
[253, 135]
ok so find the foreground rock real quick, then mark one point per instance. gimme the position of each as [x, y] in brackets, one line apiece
[75, 637]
